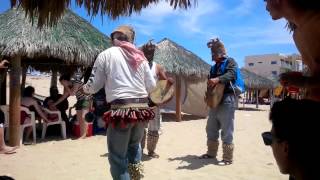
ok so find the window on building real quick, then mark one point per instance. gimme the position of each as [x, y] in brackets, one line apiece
[274, 62]
[274, 73]
[251, 64]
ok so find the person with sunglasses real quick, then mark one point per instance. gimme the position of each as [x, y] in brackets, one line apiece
[294, 136]
[304, 21]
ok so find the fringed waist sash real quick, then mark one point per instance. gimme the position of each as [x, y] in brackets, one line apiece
[124, 111]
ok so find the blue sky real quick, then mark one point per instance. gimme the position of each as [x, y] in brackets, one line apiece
[243, 25]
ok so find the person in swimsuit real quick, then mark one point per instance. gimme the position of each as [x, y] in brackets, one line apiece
[32, 104]
[71, 88]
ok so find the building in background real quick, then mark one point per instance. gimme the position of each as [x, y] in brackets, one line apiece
[271, 65]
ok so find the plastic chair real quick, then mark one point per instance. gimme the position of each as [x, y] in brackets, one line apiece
[57, 121]
[5, 110]
[31, 123]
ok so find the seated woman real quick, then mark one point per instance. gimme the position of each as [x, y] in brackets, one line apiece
[54, 96]
[31, 103]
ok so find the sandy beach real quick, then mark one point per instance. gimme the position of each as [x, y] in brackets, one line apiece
[179, 146]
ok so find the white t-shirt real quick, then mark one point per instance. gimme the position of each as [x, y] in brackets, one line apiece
[112, 71]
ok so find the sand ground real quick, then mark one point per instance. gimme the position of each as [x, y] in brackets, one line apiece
[179, 146]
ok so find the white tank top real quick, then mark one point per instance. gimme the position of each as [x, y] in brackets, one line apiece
[154, 71]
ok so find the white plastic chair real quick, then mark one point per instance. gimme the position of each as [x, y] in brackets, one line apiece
[31, 123]
[58, 121]
[5, 110]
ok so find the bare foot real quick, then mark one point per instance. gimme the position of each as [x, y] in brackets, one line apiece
[8, 150]
[83, 136]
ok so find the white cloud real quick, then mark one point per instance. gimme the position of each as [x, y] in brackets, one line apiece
[244, 8]
[145, 29]
[193, 18]
[152, 19]
[156, 13]
[268, 34]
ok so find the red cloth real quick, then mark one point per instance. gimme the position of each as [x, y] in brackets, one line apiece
[132, 54]
[23, 117]
[125, 116]
[52, 117]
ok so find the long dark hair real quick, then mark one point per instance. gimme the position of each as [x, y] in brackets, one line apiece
[306, 5]
[291, 26]
[28, 91]
[303, 5]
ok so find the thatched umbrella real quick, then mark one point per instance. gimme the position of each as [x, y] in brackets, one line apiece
[181, 63]
[255, 82]
[50, 11]
[72, 41]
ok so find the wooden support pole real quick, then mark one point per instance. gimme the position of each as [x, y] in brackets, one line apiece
[54, 78]
[257, 98]
[15, 100]
[3, 88]
[24, 77]
[271, 98]
[245, 95]
[178, 98]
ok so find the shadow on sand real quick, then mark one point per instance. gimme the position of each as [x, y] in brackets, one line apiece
[194, 162]
[249, 109]
[171, 117]
[104, 155]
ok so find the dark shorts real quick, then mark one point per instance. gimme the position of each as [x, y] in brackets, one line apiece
[82, 104]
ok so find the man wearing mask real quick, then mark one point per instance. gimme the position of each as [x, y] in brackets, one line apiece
[222, 116]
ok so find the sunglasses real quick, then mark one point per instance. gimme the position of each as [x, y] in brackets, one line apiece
[267, 138]
[120, 37]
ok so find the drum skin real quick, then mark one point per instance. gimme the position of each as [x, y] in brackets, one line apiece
[214, 95]
[162, 93]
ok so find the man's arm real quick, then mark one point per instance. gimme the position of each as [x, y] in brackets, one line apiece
[39, 110]
[98, 75]
[149, 79]
[230, 72]
[65, 95]
[162, 74]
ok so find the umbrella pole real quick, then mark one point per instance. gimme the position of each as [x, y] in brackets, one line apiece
[24, 76]
[54, 78]
[15, 98]
[3, 89]
[257, 98]
[178, 98]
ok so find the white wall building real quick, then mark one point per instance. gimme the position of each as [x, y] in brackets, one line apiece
[271, 65]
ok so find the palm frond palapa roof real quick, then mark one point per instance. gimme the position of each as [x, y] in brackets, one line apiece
[73, 40]
[49, 11]
[255, 81]
[180, 61]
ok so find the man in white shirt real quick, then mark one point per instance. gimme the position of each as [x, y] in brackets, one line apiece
[125, 74]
